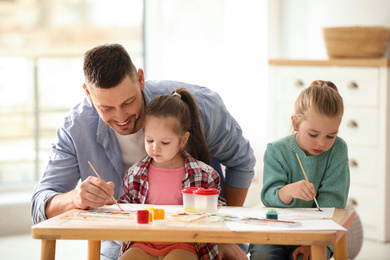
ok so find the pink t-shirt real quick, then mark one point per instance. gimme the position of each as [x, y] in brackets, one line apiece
[164, 189]
[165, 186]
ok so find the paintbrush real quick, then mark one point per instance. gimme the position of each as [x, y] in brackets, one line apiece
[116, 203]
[303, 170]
[198, 218]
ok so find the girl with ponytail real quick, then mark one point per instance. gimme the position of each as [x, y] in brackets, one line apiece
[177, 157]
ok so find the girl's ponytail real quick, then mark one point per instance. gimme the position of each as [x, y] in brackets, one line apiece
[196, 145]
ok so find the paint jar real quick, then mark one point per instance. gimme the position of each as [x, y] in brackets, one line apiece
[188, 199]
[142, 216]
[158, 214]
[271, 213]
[150, 209]
[206, 200]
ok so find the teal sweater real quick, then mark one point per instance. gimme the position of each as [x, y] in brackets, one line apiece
[328, 171]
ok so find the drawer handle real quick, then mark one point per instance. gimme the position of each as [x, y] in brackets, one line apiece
[352, 124]
[299, 83]
[353, 85]
[353, 163]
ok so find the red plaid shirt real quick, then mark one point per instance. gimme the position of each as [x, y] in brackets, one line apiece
[197, 174]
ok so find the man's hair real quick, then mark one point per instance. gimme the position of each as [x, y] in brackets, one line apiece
[105, 66]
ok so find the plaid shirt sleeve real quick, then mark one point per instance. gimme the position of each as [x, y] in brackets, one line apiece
[207, 251]
[135, 183]
[199, 174]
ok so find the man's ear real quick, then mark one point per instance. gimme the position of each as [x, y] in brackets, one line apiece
[87, 92]
[141, 79]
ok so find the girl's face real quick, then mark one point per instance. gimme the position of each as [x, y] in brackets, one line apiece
[162, 143]
[317, 133]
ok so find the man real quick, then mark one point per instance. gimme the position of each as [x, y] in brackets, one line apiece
[106, 128]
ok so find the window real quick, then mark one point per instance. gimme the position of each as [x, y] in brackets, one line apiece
[43, 43]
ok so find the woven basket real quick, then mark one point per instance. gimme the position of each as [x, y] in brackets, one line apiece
[356, 42]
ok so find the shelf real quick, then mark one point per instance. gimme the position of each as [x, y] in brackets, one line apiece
[332, 62]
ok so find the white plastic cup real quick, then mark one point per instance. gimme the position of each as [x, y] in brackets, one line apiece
[188, 199]
[206, 200]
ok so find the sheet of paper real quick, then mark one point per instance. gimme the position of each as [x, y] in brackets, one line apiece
[284, 213]
[306, 213]
[135, 207]
[306, 225]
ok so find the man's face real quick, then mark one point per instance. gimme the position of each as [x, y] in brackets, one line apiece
[120, 107]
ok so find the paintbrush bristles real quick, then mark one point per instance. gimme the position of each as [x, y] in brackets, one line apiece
[116, 203]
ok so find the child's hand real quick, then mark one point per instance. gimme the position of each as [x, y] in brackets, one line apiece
[304, 250]
[303, 190]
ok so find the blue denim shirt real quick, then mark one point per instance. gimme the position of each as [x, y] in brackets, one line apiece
[84, 137]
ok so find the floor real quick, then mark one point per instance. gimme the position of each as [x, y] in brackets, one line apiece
[24, 247]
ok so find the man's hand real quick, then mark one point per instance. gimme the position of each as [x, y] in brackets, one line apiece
[93, 192]
[304, 250]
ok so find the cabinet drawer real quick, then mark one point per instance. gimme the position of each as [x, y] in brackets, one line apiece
[363, 165]
[360, 126]
[357, 86]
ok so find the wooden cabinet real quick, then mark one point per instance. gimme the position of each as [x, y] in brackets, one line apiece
[364, 86]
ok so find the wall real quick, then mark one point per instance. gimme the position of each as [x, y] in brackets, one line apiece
[15, 209]
[295, 26]
[218, 44]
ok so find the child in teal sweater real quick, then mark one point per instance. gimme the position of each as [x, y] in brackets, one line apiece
[324, 156]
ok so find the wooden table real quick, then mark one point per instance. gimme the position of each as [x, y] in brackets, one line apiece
[52, 229]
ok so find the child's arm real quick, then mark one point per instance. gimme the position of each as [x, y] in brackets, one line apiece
[131, 185]
[276, 175]
[281, 185]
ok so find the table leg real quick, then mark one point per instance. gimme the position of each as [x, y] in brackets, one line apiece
[94, 249]
[341, 248]
[48, 249]
[318, 252]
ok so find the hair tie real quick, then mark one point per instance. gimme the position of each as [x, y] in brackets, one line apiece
[176, 94]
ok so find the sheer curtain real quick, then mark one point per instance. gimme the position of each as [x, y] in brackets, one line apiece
[218, 44]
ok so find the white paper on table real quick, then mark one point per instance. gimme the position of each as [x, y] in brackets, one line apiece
[324, 224]
[284, 213]
[135, 207]
[305, 213]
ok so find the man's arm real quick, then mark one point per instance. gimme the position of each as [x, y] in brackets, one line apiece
[235, 196]
[227, 144]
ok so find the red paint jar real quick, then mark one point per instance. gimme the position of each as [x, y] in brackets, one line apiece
[142, 216]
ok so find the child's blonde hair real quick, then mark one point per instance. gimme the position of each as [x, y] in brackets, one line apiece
[323, 97]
